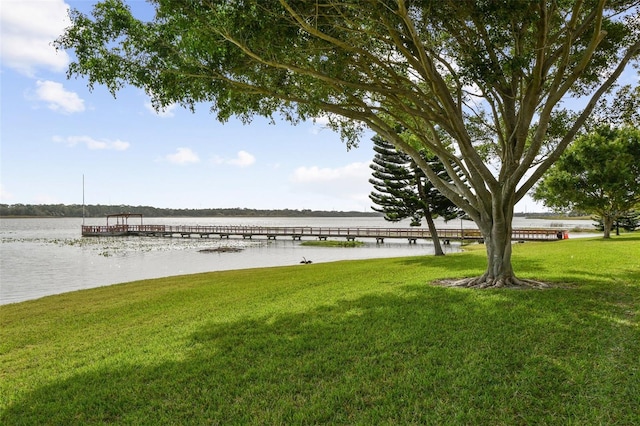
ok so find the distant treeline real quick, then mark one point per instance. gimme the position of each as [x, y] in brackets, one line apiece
[554, 215]
[98, 210]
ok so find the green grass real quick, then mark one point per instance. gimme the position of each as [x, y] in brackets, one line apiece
[332, 243]
[358, 342]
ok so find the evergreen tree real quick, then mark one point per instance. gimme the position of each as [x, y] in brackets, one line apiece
[403, 191]
[629, 222]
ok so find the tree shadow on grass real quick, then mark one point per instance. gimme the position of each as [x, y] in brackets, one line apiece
[474, 265]
[422, 356]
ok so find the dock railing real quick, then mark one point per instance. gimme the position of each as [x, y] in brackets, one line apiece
[91, 230]
[298, 232]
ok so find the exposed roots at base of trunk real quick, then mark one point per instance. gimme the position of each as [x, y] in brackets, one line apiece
[491, 282]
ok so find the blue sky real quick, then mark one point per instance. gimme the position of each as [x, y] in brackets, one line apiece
[54, 131]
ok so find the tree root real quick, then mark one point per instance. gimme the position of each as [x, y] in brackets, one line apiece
[483, 282]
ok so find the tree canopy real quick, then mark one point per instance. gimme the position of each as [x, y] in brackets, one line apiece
[485, 77]
[598, 174]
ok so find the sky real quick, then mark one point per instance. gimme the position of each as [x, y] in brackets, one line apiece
[60, 141]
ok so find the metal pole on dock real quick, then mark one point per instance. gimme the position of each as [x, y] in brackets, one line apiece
[83, 199]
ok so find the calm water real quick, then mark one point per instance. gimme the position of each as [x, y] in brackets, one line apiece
[40, 257]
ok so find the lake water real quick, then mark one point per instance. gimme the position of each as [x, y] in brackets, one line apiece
[41, 257]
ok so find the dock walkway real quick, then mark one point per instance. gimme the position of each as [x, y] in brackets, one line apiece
[298, 232]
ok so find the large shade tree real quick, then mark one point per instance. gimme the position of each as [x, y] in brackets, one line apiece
[598, 174]
[489, 75]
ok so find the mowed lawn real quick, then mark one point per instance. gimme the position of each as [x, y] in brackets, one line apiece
[357, 342]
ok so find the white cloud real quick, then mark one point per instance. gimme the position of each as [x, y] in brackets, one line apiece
[57, 98]
[321, 120]
[27, 30]
[350, 182]
[93, 144]
[243, 159]
[316, 174]
[165, 113]
[183, 156]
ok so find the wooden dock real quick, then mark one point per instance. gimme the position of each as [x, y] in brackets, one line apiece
[298, 232]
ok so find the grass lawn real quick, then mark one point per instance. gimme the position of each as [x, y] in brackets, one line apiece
[331, 243]
[357, 342]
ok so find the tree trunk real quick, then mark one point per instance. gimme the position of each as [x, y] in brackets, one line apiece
[497, 239]
[496, 229]
[607, 222]
[437, 247]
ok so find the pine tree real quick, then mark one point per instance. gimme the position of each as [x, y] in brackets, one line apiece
[630, 221]
[403, 191]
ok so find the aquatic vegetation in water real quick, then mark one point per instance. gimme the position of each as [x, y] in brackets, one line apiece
[123, 246]
[332, 243]
[223, 249]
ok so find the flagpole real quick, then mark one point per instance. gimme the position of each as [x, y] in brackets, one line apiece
[83, 199]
